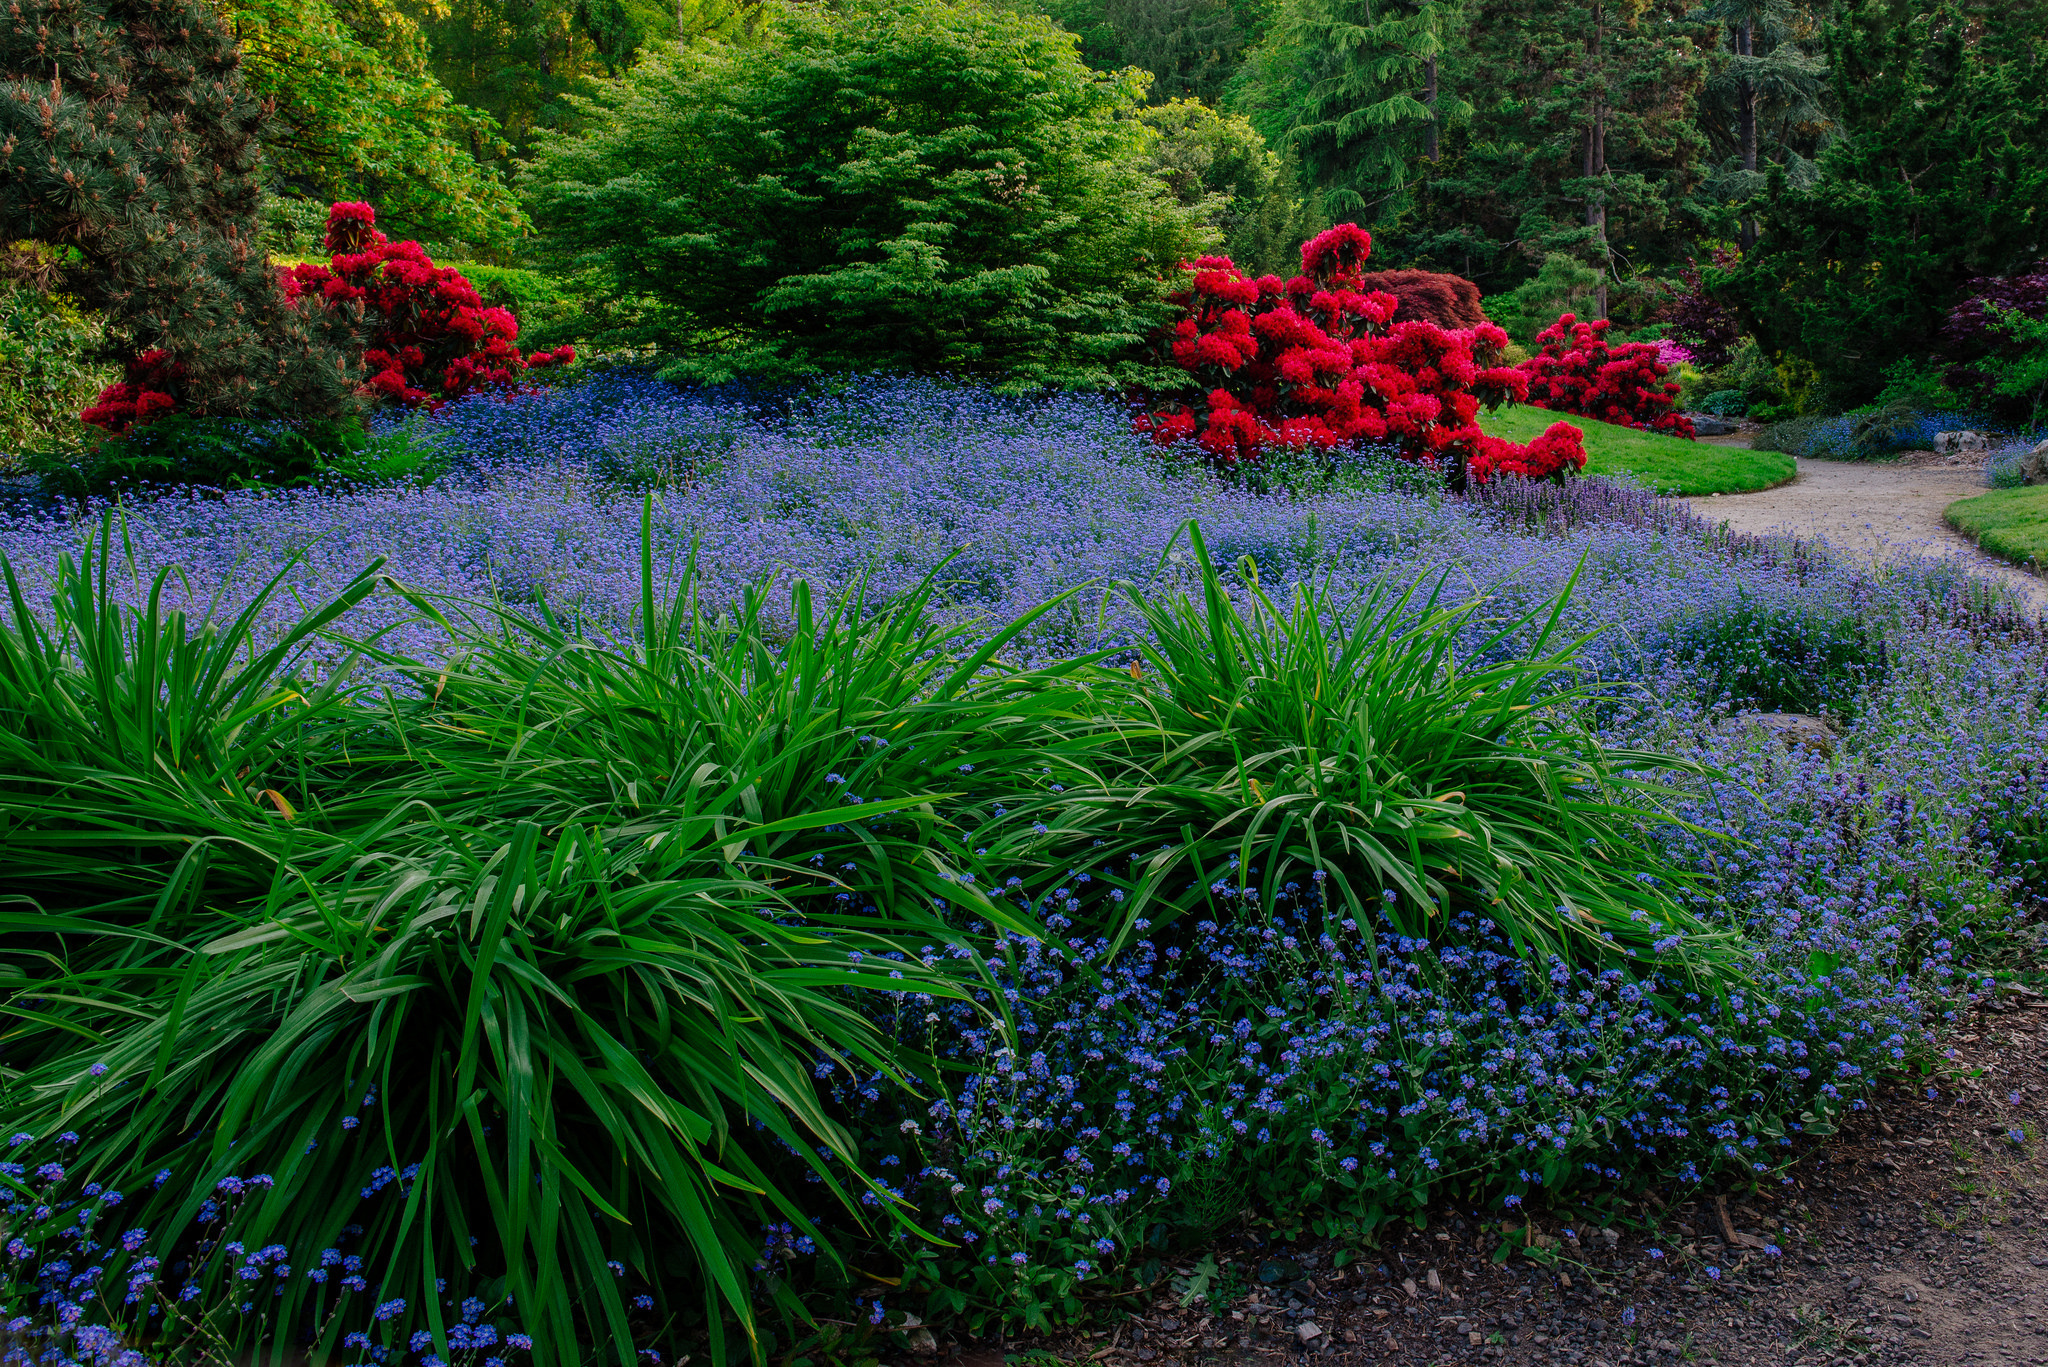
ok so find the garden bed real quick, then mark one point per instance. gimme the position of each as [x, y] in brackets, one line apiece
[1136, 1008]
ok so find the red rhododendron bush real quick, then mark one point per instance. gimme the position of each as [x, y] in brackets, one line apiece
[428, 336]
[143, 395]
[1578, 372]
[431, 338]
[1314, 363]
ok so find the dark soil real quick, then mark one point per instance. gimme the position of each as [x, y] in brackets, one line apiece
[1917, 1235]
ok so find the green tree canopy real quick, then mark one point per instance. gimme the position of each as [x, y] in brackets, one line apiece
[1939, 177]
[1356, 88]
[891, 184]
[1487, 137]
[1218, 165]
[359, 116]
[519, 60]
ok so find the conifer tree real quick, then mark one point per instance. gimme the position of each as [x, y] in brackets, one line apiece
[1939, 179]
[127, 134]
[1371, 100]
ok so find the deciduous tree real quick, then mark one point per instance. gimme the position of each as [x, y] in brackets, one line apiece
[887, 185]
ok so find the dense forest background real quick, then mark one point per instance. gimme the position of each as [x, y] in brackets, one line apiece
[1802, 190]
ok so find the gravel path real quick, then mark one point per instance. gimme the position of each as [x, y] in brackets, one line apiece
[1874, 510]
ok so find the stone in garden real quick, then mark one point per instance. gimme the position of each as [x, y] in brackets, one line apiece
[1307, 1332]
[1707, 425]
[2033, 466]
[1796, 729]
[1277, 1270]
[1961, 443]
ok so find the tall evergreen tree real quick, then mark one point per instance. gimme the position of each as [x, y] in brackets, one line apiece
[1609, 86]
[1362, 99]
[1191, 47]
[1938, 178]
[128, 132]
[1765, 83]
[1560, 129]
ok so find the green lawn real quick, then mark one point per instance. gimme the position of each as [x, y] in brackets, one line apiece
[2012, 523]
[1670, 465]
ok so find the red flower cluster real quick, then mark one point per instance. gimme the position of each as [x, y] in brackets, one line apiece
[1313, 362]
[432, 338]
[1578, 372]
[138, 398]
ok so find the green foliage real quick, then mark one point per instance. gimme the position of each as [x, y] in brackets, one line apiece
[359, 117]
[1364, 101]
[519, 60]
[155, 183]
[1763, 105]
[1565, 284]
[569, 907]
[1761, 387]
[222, 453]
[1191, 48]
[1346, 739]
[1923, 384]
[1939, 178]
[1725, 403]
[1219, 166]
[2020, 371]
[1783, 659]
[1512, 184]
[49, 368]
[892, 185]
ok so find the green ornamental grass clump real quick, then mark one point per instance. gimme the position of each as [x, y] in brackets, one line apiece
[528, 974]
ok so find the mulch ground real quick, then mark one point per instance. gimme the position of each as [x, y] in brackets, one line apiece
[1917, 1235]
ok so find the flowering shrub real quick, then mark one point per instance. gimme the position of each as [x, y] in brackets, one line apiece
[432, 338]
[1314, 363]
[1578, 372]
[137, 398]
[1671, 354]
[1707, 326]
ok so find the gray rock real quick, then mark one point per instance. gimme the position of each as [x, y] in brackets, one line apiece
[1960, 443]
[1707, 425]
[2033, 466]
[1796, 729]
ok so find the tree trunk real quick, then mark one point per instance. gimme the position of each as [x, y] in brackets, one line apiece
[1429, 130]
[1596, 167]
[1745, 115]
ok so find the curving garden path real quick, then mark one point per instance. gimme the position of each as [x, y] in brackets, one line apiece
[1875, 511]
